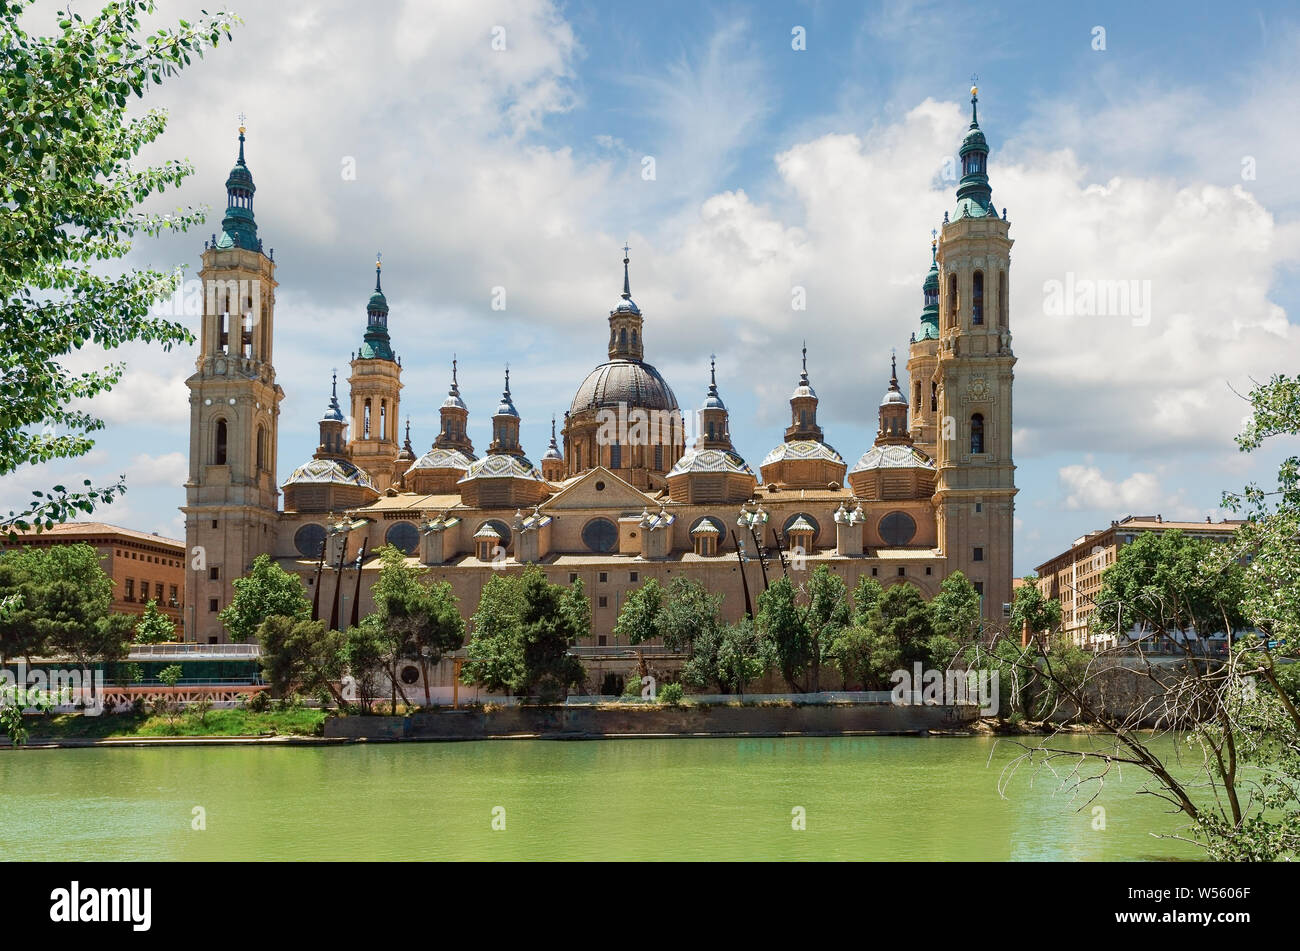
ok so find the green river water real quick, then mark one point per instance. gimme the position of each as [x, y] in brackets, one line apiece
[875, 798]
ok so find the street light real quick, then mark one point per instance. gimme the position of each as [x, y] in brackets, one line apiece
[756, 522]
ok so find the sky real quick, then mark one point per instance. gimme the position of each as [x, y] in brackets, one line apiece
[489, 144]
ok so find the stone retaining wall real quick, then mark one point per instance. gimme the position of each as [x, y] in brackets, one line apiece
[636, 720]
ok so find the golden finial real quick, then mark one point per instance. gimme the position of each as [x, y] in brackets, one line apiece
[241, 117]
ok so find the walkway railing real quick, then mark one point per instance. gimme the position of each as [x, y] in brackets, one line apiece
[195, 651]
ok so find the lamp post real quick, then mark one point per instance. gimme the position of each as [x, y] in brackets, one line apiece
[340, 527]
[755, 521]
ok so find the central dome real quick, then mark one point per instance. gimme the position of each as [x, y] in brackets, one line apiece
[629, 382]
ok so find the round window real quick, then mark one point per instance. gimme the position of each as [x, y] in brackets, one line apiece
[308, 540]
[410, 674]
[403, 536]
[897, 529]
[600, 534]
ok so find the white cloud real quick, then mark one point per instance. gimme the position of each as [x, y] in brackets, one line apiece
[1085, 487]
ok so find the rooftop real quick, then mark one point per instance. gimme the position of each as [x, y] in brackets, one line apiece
[87, 529]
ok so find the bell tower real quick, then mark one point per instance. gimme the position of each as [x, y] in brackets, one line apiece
[975, 488]
[231, 493]
[376, 384]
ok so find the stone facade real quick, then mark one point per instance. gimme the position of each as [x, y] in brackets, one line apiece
[628, 499]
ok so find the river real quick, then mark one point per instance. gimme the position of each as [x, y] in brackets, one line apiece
[872, 798]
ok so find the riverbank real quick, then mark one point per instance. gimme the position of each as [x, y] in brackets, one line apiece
[612, 721]
[237, 725]
[628, 721]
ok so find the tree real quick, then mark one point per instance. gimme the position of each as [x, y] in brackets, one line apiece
[827, 615]
[496, 658]
[1157, 584]
[154, 627]
[166, 703]
[14, 699]
[523, 630]
[690, 613]
[1032, 611]
[955, 617]
[865, 596]
[70, 193]
[782, 622]
[547, 632]
[850, 652]
[421, 621]
[1237, 713]
[899, 634]
[266, 591]
[301, 656]
[59, 599]
[365, 652]
[743, 656]
[577, 608]
[639, 620]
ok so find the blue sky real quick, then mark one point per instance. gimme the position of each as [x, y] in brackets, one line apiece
[821, 168]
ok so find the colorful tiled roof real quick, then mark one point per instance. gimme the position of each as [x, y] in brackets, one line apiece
[803, 449]
[893, 457]
[710, 460]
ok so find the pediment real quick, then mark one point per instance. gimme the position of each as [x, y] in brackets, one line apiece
[584, 493]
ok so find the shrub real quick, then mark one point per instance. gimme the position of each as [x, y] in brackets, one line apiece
[671, 694]
[258, 702]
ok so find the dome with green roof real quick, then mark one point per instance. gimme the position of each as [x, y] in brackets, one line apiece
[376, 345]
[238, 227]
[974, 196]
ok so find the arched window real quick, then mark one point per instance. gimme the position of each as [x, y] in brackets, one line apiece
[365, 425]
[977, 299]
[952, 301]
[917, 399]
[976, 434]
[1002, 300]
[219, 444]
[934, 397]
[261, 447]
[622, 338]
[615, 455]
[383, 419]
[634, 338]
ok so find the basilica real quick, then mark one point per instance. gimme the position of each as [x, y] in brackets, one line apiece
[631, 486]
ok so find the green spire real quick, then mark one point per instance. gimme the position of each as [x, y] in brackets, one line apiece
[238, 227]
[930, 296]
[974, 194]
[376, 345]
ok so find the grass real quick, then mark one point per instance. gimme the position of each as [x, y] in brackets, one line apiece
[238, 722]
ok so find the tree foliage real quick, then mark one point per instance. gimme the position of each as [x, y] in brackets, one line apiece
[59, 601]
[421, 621]
[266, 591]
[70, 191]
[301, 657]
[154, 627]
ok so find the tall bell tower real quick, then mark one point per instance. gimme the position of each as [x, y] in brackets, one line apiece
[376, 383]
[231, 494]
[975, 488]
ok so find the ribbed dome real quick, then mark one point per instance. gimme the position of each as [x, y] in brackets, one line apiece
[442, 458]
[328, 472]
[628, 382]
[893, 457]
[893, 397]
